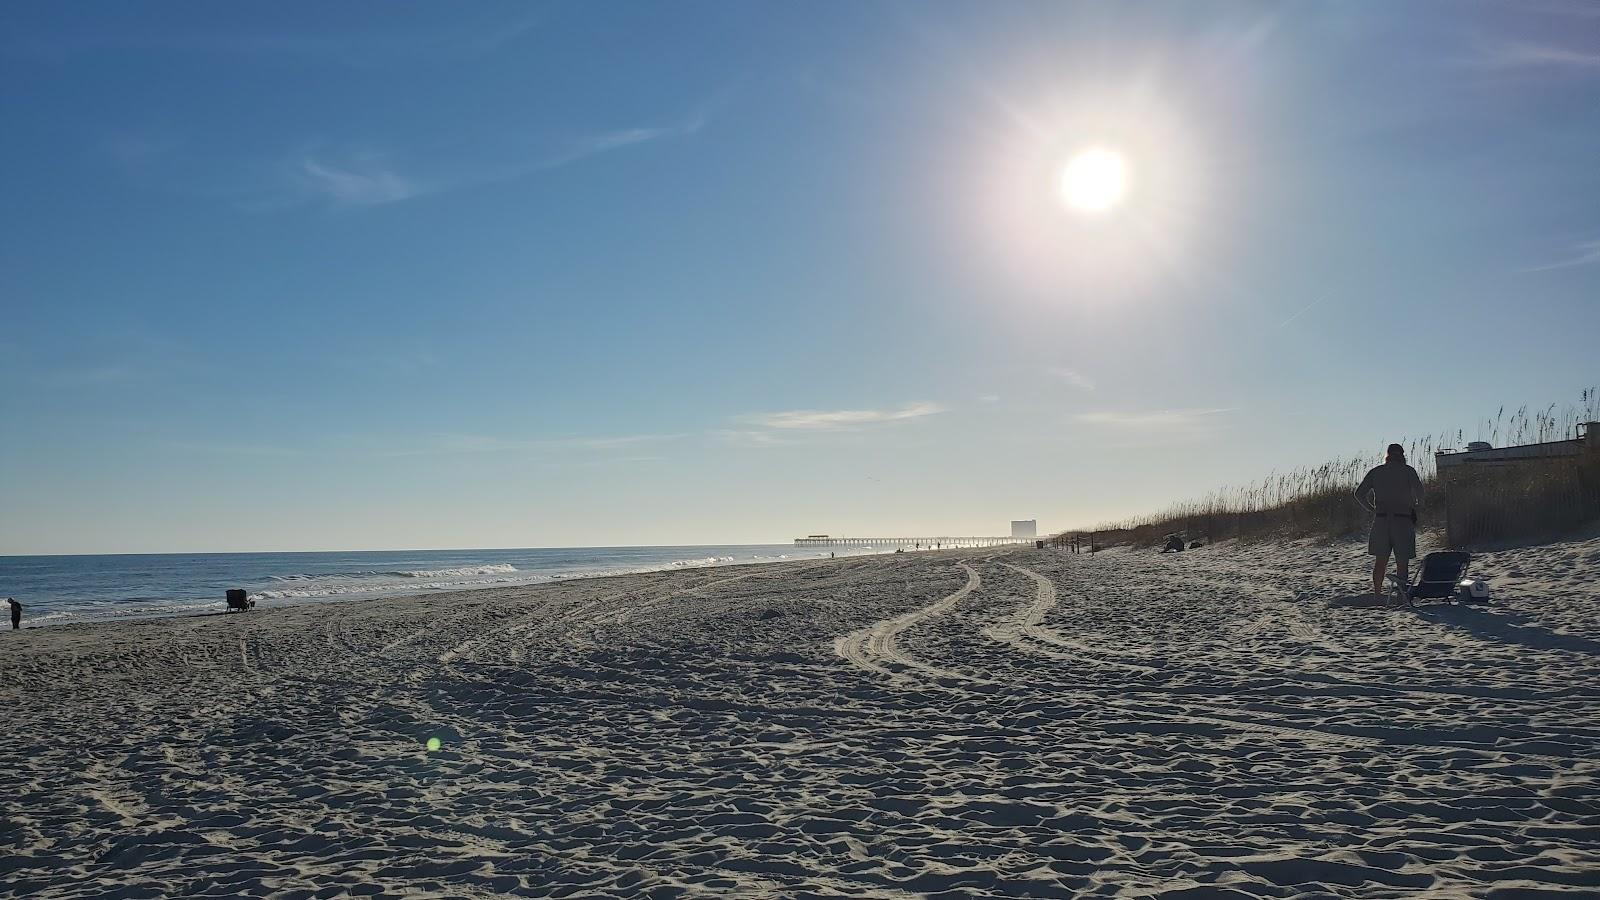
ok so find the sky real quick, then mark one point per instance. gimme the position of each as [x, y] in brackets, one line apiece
[307, 276]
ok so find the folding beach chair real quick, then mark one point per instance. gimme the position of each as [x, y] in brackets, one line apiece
[1439, 579]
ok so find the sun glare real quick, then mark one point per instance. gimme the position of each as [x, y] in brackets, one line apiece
[1095, 180]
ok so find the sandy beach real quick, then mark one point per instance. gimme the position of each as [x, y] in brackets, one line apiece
[1228, 722]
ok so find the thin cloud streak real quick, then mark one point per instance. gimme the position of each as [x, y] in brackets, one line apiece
[604, 142]
[369, 180]
[1152, 419]
[1303, 310]
[1076, 379]
[357, 50]
[748, 438]
[351, 187]
[478, 443]
[1509, 55]
[89, 376]
[817, 419]
[437, 445]
[1587, 253]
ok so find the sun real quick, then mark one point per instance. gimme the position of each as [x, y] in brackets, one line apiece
[1095, 180]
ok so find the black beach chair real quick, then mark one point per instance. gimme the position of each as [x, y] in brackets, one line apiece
[1439, 578]
[239, 600]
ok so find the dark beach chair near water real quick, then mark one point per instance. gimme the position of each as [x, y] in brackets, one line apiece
[1440, 578]
[239, 600]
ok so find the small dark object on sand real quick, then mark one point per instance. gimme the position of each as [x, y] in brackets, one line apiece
[238, 599]
[1195, 545]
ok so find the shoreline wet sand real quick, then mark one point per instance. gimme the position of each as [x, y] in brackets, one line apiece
[1229, 722]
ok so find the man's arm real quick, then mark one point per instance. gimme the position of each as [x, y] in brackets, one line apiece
[1362, 489]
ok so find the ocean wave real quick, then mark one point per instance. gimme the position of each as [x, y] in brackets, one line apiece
[93, 611]
[498, 569]
[335, 590]
[462, 571]
[702, 561]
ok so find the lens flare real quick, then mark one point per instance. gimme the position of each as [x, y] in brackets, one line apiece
[433, 745]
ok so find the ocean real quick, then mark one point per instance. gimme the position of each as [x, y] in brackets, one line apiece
[59, 589]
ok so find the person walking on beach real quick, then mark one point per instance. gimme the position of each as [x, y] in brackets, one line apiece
[1391, 492]
[16, 613]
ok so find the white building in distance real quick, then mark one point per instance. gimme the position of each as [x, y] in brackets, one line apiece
[1025, 528]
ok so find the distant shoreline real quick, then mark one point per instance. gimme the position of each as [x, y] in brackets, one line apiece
[118, 588]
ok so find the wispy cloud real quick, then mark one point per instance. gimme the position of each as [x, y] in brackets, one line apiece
[593, 145]
[214, 448]
[630, 440]
[792, 426]
[1302, 311]
[359, 49]
[118, 359]
[89, 376]
[480, 443]
[820, 419]
[1520, 54]
[747, 437]
[137, 151]
[1072, 377]
[1585, 253]
[363, 184]
[585, 146]
[1150, 419]
[343, 178]
[561, 449]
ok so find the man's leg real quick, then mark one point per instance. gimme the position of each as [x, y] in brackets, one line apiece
[1380, 564]
[1405, 547]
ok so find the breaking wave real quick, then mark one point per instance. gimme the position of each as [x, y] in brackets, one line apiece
[498, 569]
[703, 561]
[457, 573]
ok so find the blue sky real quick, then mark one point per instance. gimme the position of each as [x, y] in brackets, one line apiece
[352, 276]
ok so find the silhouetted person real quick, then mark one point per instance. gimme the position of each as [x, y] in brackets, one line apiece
[16, 613]
[1174, 544]
[1395, 491]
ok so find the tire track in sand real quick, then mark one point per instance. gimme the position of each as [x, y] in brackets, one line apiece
[871, 647]
[1029, 626]
[1045, 598]
[594, 614]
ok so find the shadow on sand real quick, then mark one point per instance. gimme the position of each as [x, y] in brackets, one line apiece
[1506, 627]
[1485, 623]
[1362, 601]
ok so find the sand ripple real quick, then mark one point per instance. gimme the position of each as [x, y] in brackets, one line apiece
[1233, 722]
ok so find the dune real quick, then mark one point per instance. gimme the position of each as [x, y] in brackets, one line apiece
[1236, 721]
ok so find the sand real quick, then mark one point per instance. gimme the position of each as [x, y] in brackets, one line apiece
[1228, 722]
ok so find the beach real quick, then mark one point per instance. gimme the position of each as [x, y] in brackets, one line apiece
[1232, 721]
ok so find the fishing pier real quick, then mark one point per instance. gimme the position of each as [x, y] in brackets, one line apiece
[916, 543]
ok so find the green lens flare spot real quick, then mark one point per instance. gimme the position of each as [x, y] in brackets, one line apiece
[433, 745]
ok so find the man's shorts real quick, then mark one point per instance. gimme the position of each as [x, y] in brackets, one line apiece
[1393, 535]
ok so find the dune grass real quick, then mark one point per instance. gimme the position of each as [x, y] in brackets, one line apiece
[1495, 504]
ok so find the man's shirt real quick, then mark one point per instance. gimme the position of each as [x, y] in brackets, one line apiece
[1394, 487]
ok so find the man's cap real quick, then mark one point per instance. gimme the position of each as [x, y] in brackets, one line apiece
[1396, 450]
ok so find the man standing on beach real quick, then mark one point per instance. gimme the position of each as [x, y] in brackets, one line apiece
[16, 613]
[1395, 490]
